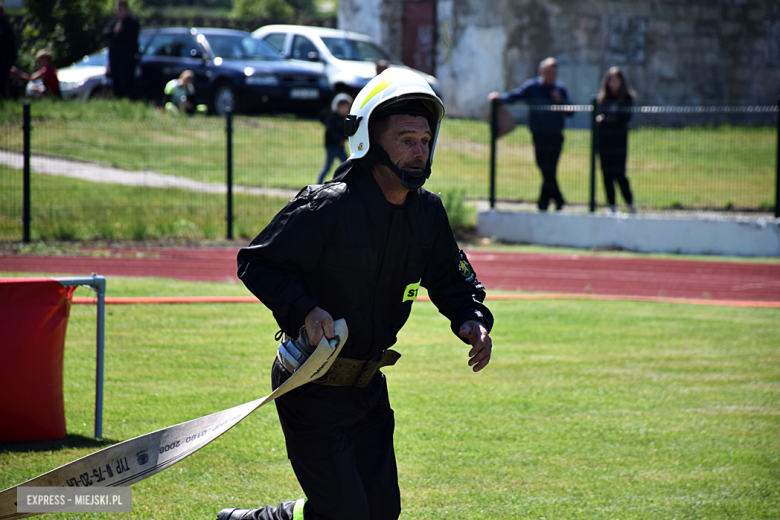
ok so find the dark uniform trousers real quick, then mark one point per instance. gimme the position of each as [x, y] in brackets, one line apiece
[547, 147]
[340, 444]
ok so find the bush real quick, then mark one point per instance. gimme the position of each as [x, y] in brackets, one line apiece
[272, 9]
[459, 214]
[69, 28]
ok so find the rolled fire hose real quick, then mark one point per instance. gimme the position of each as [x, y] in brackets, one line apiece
[136, 459]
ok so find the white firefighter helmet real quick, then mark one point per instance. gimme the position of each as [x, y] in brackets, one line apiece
[394, 86]
[340, 98]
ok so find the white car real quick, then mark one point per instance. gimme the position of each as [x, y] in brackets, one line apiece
[350, 58]
[87, 77]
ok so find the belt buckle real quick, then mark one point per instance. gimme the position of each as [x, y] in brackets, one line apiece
[369, 370]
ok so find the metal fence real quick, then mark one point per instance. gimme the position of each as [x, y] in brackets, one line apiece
[713, 158]
[162, 176]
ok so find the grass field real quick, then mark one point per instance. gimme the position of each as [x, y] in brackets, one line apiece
[72, 209]
[668, 167]
[587, 410]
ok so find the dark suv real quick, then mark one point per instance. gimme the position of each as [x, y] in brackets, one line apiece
[233, 71]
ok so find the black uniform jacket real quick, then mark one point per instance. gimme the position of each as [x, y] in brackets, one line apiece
[341, 246]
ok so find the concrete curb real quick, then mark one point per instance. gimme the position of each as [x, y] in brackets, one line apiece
[649, 234]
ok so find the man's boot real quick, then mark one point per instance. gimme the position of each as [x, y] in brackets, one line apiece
[292, 510]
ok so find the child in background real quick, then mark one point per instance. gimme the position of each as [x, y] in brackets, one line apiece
[46, 73]
[178, 93]
[334, 133]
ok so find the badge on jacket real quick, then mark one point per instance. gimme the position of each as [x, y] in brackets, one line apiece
[466, 271]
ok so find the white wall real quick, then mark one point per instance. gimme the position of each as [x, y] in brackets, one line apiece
[363, 16]
[635, 233]
[469, 61]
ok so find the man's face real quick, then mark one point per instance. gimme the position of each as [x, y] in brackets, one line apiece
[549, 73]
[407, 140]
[121, 11]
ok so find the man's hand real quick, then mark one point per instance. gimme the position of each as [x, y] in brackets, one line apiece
[481, 344]
[319, 322]
[494, 95]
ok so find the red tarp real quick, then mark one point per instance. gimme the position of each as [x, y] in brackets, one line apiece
[33, 319]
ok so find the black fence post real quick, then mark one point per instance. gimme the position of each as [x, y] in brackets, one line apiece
[777, 166]
[593, 147]
[26, 129]
[493, 133]
[229, 130]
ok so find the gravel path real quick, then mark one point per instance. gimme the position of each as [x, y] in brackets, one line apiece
[92, 172]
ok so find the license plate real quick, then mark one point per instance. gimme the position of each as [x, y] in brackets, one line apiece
[304, 93]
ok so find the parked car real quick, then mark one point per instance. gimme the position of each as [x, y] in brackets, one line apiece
[84, 79]
[350, 58]
[233, 71]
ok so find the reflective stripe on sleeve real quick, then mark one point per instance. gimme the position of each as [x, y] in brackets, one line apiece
[410, 293]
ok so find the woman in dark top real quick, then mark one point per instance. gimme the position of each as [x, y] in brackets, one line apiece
[615, 100]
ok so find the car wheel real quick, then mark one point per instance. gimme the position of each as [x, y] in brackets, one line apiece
[224, 99]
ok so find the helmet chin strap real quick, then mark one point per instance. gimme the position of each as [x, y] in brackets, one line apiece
[410, 180]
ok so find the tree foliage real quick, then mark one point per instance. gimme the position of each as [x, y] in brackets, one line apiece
[73, 28]
[69, 28]
[272, 9]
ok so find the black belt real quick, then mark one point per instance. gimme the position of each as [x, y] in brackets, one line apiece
[356, 372]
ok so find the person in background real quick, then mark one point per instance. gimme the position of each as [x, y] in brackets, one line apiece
[381, 66]
[178, 94]
[122, 35]
[8, 50]
[46, 73]
[334, 133]
[546, 125]
[613, 114]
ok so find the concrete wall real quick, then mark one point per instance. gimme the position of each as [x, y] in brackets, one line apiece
[632, 233]
[364, 16]
[676, 52]
[468, 65]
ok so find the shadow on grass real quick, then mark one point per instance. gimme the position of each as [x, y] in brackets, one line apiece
[69, 441]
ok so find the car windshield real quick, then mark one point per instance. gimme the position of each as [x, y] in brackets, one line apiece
[231, 47]
[97, 59]
[356, 50]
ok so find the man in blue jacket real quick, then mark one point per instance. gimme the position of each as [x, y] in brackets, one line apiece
[546, 123]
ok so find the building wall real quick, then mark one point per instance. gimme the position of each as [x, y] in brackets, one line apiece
[367, 17]
[675, 52]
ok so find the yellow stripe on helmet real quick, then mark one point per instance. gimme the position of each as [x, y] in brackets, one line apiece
[376, 90]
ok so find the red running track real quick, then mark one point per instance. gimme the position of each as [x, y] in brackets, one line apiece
[571, 273]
